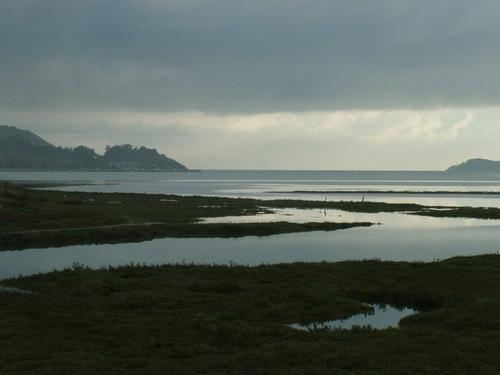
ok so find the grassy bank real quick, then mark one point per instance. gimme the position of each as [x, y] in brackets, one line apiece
[136, 233]
[25, 209]
[233, 320]
[44, 218]
[351, 206]
[463, 212]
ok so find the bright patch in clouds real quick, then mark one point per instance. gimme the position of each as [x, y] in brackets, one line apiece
[393, 139]
[435, 126]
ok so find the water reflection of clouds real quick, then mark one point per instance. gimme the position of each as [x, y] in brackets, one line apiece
[257, 184]
[380, 317]
[388, 220]
[350, 244]
[400, 237]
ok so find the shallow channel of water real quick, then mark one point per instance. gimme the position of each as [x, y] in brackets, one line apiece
[398, 244]
[399, 237]
[388, 220]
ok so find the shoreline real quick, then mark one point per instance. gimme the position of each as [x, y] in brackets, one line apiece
[130, 233]
[386, 192]
[100, 170]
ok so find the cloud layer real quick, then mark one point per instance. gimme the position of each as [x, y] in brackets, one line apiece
[320, 84]
[248, 56]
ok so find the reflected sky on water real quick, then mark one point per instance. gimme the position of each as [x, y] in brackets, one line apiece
[399, 237]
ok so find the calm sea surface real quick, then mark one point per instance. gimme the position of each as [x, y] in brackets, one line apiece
[264, 184]
[398, 237]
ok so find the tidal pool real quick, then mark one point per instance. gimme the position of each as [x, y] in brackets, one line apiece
[381, 317]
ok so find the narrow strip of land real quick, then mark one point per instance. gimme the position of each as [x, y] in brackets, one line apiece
[386, 192]
[143, 232]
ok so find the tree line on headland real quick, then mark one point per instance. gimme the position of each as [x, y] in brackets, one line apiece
[22, 149]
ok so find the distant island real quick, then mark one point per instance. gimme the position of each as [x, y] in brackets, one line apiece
[23, 149]
[476, 165]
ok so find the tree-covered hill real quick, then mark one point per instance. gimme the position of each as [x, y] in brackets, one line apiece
[8, 132]
[476, 165]
[22, 149]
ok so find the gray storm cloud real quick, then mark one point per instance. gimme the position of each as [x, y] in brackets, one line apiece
[247, 56]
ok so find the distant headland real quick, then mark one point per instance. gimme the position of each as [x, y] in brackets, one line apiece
[23, 149]
[476, 165]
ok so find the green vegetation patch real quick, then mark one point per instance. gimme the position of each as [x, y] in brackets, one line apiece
[463, 212]
[134, 233]
[24, 209]
[186, 319]
[45, 218]
[351, 206]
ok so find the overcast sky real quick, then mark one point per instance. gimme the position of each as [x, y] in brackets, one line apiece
[289, 84]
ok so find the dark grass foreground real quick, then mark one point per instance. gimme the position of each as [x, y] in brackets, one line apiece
[233, 320]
